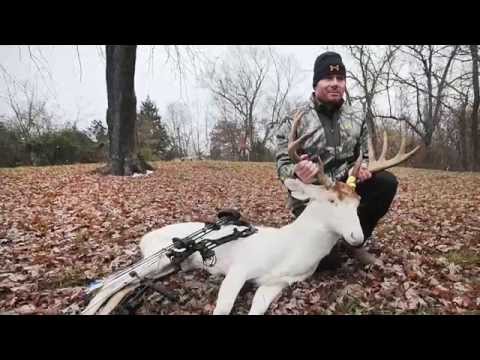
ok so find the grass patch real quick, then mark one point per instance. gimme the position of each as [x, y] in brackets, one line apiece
[350, 306]
[463, 257]
[64, 280]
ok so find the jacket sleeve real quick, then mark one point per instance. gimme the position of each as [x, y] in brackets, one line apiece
[283, 162]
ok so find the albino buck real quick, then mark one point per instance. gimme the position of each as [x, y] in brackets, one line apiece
[272, 258]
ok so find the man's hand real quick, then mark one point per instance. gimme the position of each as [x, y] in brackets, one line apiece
[306, 170]
[363, 173]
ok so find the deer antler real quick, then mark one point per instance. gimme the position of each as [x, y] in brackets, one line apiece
[381, 163]
[357, 165]
[294, 144]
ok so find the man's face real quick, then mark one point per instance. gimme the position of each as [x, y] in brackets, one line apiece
[331, 89]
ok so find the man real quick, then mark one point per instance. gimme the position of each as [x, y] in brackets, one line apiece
[338, 144]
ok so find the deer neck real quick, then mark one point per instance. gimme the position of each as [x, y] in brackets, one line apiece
[312, 224]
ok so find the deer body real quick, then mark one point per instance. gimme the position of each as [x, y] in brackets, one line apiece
[268, 253]
[271, 258]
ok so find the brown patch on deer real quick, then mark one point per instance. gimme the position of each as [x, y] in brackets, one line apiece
[344, 191]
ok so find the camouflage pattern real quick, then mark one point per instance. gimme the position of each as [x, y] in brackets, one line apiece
[337, 141]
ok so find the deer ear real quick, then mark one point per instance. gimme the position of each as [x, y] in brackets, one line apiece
[297, 188]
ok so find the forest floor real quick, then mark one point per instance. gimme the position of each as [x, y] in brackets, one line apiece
[62, 227]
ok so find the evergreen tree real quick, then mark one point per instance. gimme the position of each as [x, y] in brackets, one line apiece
[152, 137]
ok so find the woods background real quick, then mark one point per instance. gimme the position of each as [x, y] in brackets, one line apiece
[429, 92]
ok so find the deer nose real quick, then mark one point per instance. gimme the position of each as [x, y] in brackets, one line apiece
[358, 241]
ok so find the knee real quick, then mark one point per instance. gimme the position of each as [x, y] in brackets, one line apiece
[387, 181]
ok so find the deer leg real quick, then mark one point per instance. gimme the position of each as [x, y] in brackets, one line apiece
[231, 286]
[264, 296]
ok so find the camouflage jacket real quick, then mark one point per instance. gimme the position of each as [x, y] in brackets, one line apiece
[337, 141]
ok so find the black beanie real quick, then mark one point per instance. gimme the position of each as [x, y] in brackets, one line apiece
[326, 64]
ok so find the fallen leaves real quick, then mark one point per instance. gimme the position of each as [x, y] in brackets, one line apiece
[63, 226]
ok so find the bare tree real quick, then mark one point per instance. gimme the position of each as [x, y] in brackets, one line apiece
[207, 138]
[371, 77]
[476, 103]
[238, 83]
[199, 131]
[196, 144]
[277, 103]
[179, 121]
[429, 80]
[30, 117]
[252, 85]
[462, 143]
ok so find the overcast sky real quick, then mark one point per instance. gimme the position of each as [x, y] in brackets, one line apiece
[75, 83]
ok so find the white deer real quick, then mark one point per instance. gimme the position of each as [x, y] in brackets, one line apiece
[272, 258]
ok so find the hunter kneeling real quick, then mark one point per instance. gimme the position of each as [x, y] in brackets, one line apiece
[321, 132]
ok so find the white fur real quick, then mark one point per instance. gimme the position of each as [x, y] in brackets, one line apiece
[272, 258]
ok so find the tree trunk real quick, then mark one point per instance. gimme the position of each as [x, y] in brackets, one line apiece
[428, 132]
[371, 127]
[476, 103]
[122, 112]
[463, 136]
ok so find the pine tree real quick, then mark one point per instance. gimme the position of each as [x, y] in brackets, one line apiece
[152, 136]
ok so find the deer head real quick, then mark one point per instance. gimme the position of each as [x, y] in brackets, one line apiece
[333, 208]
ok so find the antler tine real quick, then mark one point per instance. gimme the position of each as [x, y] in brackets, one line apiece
[382, 163]
[322, 178]
[293, 142]
[358, 164]
[402, 145]
[384, 147]
[371, 149]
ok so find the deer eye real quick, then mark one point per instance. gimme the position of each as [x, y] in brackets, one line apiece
[331, 201]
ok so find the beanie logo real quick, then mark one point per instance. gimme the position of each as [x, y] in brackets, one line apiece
[334, 67]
